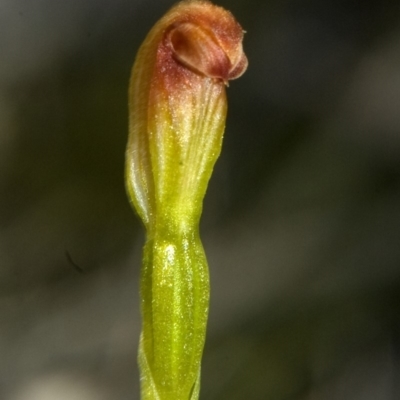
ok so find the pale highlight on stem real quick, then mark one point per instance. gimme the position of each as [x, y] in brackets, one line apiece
[177, 110]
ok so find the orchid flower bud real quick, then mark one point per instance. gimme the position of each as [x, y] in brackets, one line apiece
[177, 111]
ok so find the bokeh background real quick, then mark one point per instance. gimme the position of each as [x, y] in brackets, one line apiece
[301, 222]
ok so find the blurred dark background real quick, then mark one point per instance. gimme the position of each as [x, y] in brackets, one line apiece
[301, 221]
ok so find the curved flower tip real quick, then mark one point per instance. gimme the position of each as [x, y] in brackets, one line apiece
[177, 105]
[208, 42]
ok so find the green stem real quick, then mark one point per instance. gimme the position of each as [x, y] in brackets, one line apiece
[175, 298]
